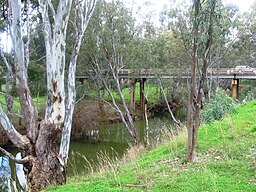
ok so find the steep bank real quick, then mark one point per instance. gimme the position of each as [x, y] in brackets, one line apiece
[226, 162]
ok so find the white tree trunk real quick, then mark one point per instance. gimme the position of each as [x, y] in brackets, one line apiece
[84, 11]
[55, 42]
[16, 138]
[40, 143]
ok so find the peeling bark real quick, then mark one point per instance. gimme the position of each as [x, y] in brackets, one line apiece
[44, 161]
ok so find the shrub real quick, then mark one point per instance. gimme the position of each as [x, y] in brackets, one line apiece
[251, 95]
[217, 106]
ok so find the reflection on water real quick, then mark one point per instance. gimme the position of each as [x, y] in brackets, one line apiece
[5, 173]
[20, 173]
[110, 140]
[11, 179]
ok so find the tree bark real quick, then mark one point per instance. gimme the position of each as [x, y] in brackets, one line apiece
[195, 99]
[46, 167]
[44, 160]
[191, 113]
[85, 11]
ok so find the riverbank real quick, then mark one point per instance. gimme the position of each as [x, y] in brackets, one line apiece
[89, 116]
[226, 162]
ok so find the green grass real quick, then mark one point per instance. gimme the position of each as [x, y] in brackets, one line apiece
[226, 161]
[151, 89]
[39, 102]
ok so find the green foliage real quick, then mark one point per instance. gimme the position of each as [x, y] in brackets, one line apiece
[251, 95]
[217, 106]
[243, 49]
[37, 79]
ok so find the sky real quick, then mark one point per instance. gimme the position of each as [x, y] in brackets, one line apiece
[243, 5]
[3, 42]
[154, 7]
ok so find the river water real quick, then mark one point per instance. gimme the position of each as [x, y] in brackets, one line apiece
[110, 140]
[107, 141]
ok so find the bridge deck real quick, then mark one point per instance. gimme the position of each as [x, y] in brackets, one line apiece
[222, 73]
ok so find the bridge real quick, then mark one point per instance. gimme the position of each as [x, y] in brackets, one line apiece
[235, 74]
[222, 73]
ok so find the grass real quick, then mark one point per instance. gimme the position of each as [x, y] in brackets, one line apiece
[39, 102]
[226, 161]
[152, 89]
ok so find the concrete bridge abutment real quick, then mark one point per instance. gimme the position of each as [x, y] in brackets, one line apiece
[235, 89]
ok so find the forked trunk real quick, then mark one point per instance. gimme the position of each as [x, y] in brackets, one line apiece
[45, 168]
[44, 161]
[45, 171]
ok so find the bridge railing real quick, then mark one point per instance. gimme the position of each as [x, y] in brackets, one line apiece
[170, 73]
[227, 71]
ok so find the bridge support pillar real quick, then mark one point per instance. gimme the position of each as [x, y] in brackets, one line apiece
[132, 93]
[142, 94]
[235, 88]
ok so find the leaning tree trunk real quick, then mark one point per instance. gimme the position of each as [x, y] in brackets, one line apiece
[168, 106]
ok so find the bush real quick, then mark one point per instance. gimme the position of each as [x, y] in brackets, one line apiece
[217, 106]
[251, 95]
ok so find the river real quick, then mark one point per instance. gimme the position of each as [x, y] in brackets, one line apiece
[109, 140]
[112, 140]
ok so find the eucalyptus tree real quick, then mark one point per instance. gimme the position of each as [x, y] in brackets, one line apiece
[195, 28]
[44, 164]
[225, 25]
[242, 51]
[206, 34]
[227, 19]
[202, 20]
[112, 29]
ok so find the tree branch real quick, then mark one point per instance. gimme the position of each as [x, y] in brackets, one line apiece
[166, 101]
[80, 27]
[52, 9]
[21, 161]
[16, 138]
[5, 61]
